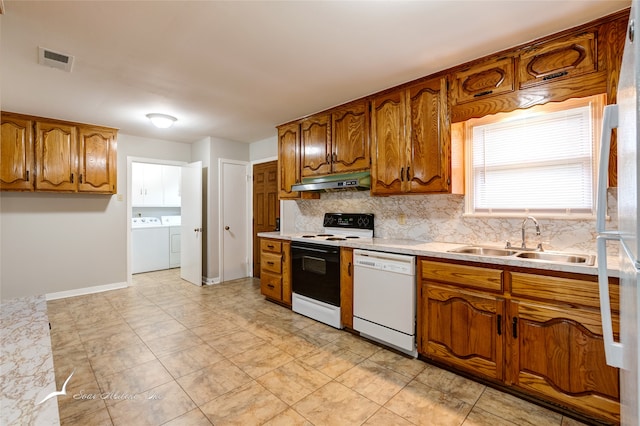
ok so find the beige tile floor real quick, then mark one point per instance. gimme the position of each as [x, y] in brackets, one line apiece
[166, 352]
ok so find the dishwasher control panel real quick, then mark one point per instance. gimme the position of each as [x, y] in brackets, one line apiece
[390, 262]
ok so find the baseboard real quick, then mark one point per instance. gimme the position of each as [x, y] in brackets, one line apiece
[210, 281]
[85, 290]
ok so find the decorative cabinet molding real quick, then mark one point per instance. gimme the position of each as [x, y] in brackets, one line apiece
[40, 154]
[315, 145]
[346, 287]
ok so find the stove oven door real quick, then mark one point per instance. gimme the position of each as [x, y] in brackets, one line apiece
[315, 270]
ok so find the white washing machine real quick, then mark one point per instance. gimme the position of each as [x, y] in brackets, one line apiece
[149, 245]
[174, 223]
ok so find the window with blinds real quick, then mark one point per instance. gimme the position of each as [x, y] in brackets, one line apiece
[541, 160]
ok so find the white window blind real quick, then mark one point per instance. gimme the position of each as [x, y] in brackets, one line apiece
[534, 163]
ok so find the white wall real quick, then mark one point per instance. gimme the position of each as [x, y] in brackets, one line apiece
[266, 148]
[61, 242]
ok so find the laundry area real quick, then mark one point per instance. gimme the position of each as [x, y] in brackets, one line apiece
[155, 217]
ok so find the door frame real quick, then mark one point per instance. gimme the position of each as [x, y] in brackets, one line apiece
[250, 207]
[132, 159]
[247, 221]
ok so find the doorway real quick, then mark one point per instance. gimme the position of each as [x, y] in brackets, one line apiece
[266, 206]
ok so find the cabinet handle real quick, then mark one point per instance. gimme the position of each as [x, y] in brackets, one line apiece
[515, 328]
[270, 263]
[555, 75]
[328, 157]
[499, 325]
[27, 175]
[270, 285]
[349, 269]
[334, 157]
[485, 93]
[80, 178]
[402, 174]
[408, 173]
[270, 246]
[71, 177]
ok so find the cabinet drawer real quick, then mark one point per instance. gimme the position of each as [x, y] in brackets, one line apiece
[468, 276]
[561, 290]
[271, 245]
[271, 285]
[271, 262]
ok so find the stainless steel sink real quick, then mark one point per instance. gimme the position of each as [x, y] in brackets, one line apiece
[543, 256]
[558, 257]
[484, 251]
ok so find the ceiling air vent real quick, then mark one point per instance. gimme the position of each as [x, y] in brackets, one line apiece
[55, 59]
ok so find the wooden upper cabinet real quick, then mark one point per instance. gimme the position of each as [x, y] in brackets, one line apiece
[97, 160]
[288, 159]
[16, 153]
[56, 156]
[410, 144]
[489, 78]
[336, 141]
[429, 165]
[388, 143]
[315, 145]
[558, 59]
[350, 137]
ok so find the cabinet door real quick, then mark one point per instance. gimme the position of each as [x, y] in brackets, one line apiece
[350, 138]
[493, 77]
[315, 145]
[56, 157]
[558, 351]
[346, 287]
[388, 143]
[428, 169]
[462, 328]
[137, 184]
[288, 159]
[171, 186]
[16, 154]
[558, 59]
[97, 160]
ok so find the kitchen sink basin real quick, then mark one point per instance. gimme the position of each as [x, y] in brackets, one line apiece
[484, 251]
[557, 257]
[543, 256]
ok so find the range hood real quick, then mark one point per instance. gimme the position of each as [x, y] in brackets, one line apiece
[360, 181]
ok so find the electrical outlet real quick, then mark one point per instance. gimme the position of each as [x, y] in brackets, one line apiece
[402, 219]
[120, 197]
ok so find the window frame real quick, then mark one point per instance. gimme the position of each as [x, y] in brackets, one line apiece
[597, 103]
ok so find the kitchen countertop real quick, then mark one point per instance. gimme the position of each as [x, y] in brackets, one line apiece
[440, 250]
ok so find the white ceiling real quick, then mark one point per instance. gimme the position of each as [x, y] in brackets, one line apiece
[236, 69]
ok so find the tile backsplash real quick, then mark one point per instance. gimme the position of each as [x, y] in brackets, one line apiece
[439, 217]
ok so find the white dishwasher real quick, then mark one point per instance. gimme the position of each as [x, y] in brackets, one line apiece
[384, 298]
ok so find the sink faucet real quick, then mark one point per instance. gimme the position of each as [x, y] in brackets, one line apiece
[535, 222]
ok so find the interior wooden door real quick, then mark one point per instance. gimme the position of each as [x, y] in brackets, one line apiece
[266, 207]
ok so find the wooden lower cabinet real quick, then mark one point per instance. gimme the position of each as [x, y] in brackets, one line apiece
[555, 347]
[346, 287]
[275, 270]
[460, 325]
[540, 333]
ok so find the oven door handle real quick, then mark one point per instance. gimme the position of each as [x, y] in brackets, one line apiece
[317, 250]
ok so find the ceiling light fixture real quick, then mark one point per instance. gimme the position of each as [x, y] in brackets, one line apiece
[162, 121]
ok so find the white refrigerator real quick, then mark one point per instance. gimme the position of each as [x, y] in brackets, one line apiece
[625, 117]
